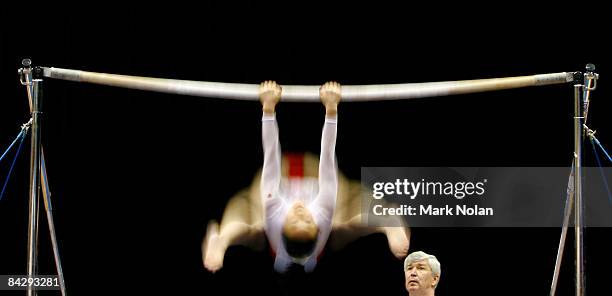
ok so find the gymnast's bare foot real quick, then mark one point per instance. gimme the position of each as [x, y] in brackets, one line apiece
[399, 241]
[213, 250]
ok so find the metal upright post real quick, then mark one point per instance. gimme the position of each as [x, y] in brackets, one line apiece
[32, 79]
[578, 116]
[574, 202]
[35, 77]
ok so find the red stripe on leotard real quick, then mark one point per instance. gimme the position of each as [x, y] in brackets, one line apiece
[296, 165]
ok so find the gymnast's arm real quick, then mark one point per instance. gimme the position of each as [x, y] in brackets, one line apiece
[328, 180]
[269, 95]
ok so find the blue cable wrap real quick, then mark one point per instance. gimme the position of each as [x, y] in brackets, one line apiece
[603, 176]
[602, 149]
[11, 146]
[21, 135]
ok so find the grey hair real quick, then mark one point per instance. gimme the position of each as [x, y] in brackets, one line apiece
[433, 262]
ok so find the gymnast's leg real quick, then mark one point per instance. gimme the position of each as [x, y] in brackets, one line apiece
[348, 226]
[237, 228]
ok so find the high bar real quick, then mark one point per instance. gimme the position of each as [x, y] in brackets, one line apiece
[308, 93]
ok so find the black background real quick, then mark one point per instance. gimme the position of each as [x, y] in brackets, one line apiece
[136, 175]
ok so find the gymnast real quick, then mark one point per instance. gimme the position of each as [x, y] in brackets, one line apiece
[294, 204]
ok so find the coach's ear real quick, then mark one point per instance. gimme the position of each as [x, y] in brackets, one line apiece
[436, 280]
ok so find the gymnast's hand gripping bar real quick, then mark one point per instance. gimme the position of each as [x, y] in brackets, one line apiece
[309, 93]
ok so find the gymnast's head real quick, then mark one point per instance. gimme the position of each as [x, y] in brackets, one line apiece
[422, 273]
[299, 231]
